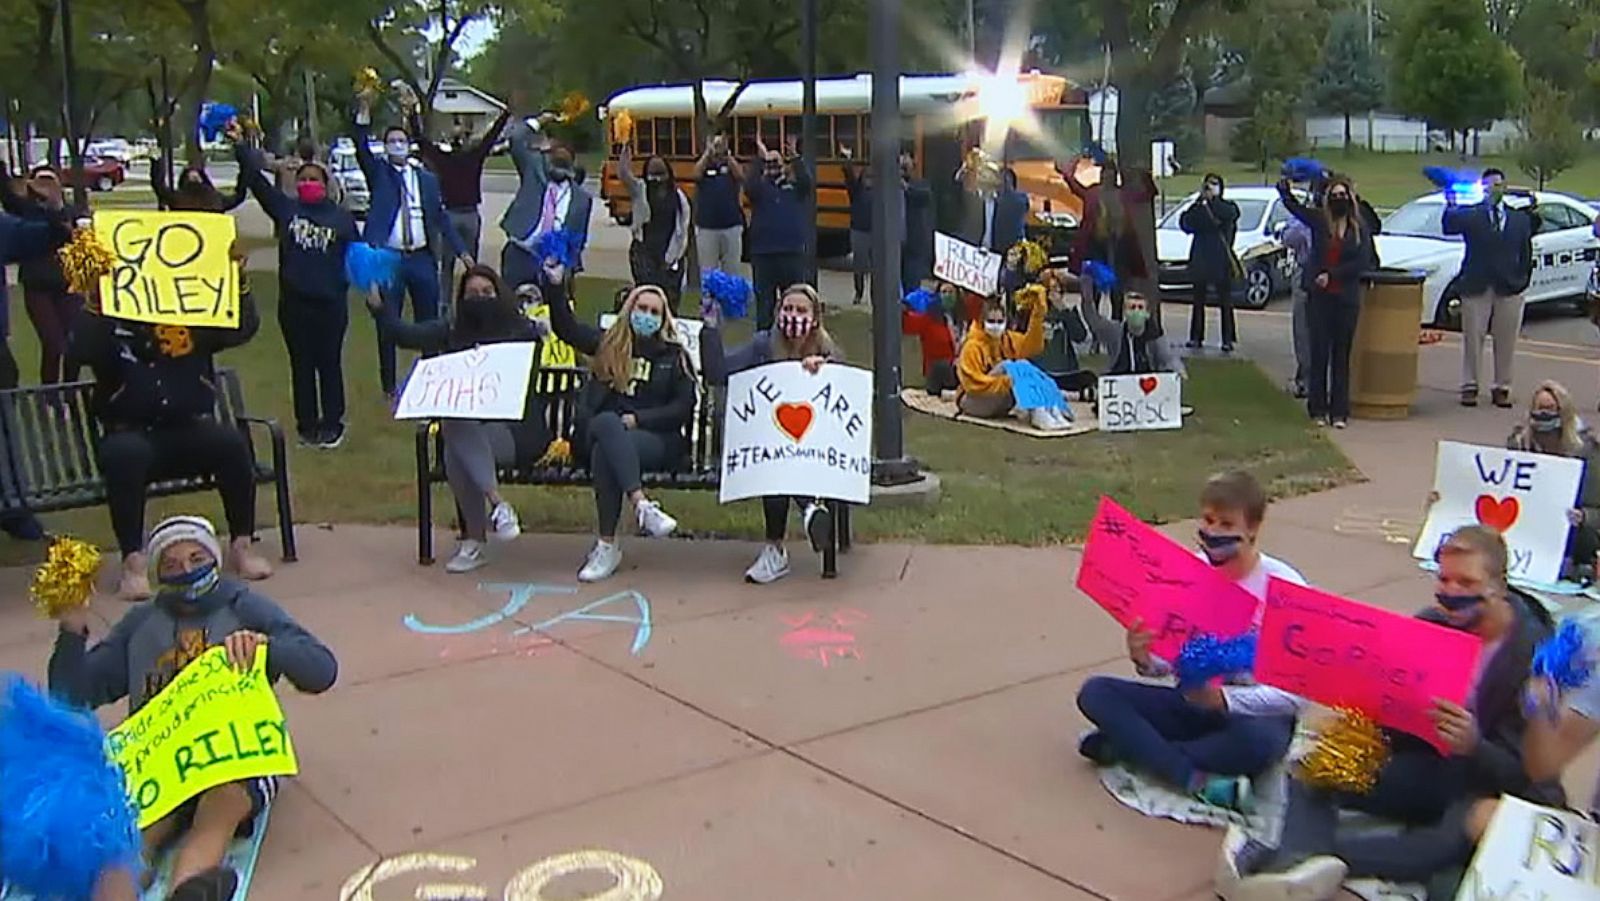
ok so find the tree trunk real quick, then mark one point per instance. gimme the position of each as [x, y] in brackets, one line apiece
[199, 79]
[1347, 132]
[1133, 155]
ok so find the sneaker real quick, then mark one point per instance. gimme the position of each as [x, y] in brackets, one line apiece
[1469, 397]
[469, 556]
[1501, 397]
[601, 563]
[772, 565]
[1194, 345]
[1095, 747]
[1227, 792]
[819, 526]
[1298, 390]
[1041, 420]
[1341, 423]
[307, 438]
[332, 436]
[1227, 348]
[654, 521]
[215, 884]
[504, 520]
[1317, 879]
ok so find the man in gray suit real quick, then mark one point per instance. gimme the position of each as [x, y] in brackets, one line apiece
[549, 198]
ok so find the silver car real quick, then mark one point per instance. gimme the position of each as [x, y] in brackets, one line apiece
[351, 180]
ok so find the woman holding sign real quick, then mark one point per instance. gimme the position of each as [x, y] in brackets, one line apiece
[800, 335]
[633, 411]
[986, 388]
[1553, 427]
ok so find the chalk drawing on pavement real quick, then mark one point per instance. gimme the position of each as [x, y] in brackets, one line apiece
[822, 637]
[632, 879]
[521, 594]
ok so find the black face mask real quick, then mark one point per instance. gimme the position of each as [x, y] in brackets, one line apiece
[476, 309]
[1340, 206]
[1464, 609]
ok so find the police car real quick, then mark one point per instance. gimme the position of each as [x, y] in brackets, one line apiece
[1268, 268]
[1564, 252]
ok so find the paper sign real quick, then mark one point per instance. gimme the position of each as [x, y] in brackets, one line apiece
[554, 353]
[211, 725]
[1031, 388]
[171, 268]
[791, 432]
[488, 382]
[959, 263]
[1139, 403]
[1523, 496]
[1135, 572]
[1341, 652]
[688, 332]
[1534, 853]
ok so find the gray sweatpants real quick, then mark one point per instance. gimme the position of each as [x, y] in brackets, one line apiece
[472, 451]
[720, 248]
[1301, 325]
[1497, 317]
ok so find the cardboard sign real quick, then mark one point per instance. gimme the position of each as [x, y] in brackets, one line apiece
[791, 432]
[1139, 403]
[959, 263]
[488, 382]
[1534, 853]
[1525, 497]
[1340, 652]
[688, 332]
[171, 268]
[211, 725]
[1137, 573]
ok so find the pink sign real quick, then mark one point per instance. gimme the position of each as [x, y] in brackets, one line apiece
[1137, 573]
[1344, 653]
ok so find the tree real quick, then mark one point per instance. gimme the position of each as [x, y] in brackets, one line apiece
[1272, 132]
[1450, 70]
[1551, 139]
[1347, 80]
[283, 42]
[1556, 40]
[398, 29]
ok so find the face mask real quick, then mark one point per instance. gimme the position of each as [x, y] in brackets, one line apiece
[1219, 549]
[1215, 189]
[795, 326]
[1464, 609]
[312, 191]
[656, 178]
[1545, 420]
[994, 329]
[948, 301]
[774, 172]
[645, 325]
[560, 174]
[193, 584]
[1340, 206]
[397, 150]
[1136, 319]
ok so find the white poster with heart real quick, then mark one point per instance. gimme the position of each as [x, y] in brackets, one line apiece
[1525, 497]
[1140, 403]
[488, 382]
[797, 433]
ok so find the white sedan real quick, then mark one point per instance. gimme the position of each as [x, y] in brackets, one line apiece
[1564, 250]
[1268, 268]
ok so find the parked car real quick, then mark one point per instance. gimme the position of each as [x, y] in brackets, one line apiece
[352, 181]
[1564, 252]
[111, 149]
[1268, 266]
[99, 174]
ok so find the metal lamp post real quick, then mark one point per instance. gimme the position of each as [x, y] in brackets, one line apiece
[808, 126]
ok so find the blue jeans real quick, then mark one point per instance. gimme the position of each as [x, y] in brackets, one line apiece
[1154, 728]
[419, 274]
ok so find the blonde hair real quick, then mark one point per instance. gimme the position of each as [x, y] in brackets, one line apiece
[1571, 440]
[1477, 541]
[612, 362]
[816, 344]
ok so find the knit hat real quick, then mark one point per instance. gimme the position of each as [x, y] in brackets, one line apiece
[174, 529]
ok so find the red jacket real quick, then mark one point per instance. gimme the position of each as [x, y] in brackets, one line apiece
[938, 345]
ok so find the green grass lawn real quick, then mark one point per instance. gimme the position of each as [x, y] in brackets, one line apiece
[998, 487]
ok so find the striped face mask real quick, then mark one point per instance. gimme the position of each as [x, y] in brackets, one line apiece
[195, 583]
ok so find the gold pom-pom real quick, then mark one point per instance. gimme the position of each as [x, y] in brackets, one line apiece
[84, 260]
[573, 105]
[1347, 755]
[559, 453]
[368, 82]
[1029, 297]
[66, 577]
[1034, 258]
[622, 127]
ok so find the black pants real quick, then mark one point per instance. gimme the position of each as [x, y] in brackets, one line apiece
[313, 332]
[772, 273]
[130, 460]
[942, 377]
[1333, 331]
[775, 512]
[1197, 312]
[650, 268]
[618, 456]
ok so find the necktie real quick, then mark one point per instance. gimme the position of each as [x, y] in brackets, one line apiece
[547, 218]
[1495, 218]
[408, 237]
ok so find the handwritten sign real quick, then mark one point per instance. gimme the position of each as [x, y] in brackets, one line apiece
[688, 333]
[1139, 403]
[960, 263]
[791, 432]
[1525, 497]
[211, 725]
[171, 268]
[1137, 573]
[488, 382]
[1341, 652]
[1532, 852]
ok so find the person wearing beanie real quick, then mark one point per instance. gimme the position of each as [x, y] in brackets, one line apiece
[196, 609]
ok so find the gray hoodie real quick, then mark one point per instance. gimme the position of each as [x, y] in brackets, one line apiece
[158, 638]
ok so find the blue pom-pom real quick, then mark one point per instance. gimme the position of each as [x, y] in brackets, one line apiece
[65, 816]
[1300, 168]
[1562, 658]
[368, 267]
[1105, 278]
[1097, 153]
[922, 301]
[214, 117]
[561, 246]
[1207, 657]
[730, 292]
[1464, 186]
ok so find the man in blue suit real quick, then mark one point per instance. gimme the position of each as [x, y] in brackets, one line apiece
[549, 198]
[406, 215]
[1495, 271]
[997, 214]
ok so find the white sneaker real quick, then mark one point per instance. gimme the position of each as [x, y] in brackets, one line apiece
[469, 556]
[772, 565]
[654, 521]
[504, 520]
[1317, 879]
[1042, 420]
[602, 562]
[819, 526]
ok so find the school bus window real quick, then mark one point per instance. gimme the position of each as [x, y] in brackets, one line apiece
[644, 138]
[683, 137]
[772, 134]
[792, 131]
[744, 130]
[663, 137]
[847, 133]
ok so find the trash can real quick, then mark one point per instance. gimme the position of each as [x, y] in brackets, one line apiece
[1383, 364]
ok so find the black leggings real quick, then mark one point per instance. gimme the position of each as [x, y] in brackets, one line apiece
[131, 460]
[617, 457]
[1333, 331]
[775, 510]
[1197, 312]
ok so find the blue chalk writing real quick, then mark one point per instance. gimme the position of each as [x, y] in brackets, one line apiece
[521, 594]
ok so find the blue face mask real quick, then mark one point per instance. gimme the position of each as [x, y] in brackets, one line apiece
[193, 584]
[645, 325]
[1220, 548]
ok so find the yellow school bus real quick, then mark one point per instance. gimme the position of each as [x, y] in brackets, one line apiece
[943, 118]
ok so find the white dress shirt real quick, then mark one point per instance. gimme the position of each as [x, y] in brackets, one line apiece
[410, 209]
[557, 195]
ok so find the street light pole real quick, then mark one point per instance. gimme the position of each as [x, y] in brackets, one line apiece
[808, 127]
[890, 466]
[80, 194]
[1370, 115]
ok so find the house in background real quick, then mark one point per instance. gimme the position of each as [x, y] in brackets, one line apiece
[457, 101]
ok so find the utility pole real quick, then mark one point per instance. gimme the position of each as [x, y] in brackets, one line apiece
[1371, 118]
[80, 193]
[311, 105]
[972, 30]
[808, 127]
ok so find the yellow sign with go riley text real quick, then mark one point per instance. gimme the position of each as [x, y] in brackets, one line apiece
[170, 269]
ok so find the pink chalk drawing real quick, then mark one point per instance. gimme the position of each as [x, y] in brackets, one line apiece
[822, 637]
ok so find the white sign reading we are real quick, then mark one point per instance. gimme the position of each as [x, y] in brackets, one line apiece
[1138, 403]
[488, 382]
[960, 263]
[792, 432]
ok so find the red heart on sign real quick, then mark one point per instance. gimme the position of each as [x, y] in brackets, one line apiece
[1499, 514]
[1148, 384]
[794, 420]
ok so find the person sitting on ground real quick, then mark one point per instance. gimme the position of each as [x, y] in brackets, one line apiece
[474, 449]
[1208, 740]
[985, 387]
[1553, 427]
[800, 335]
[196, 609]
[1432, 793]
[155, 396]
[1063, 328]
[1134, 346]
[939, 330]
[633, 412]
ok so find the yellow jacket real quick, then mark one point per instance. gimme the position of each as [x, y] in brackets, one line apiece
[980, 354]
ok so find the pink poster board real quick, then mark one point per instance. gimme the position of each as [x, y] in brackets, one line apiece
[1135, 572]
[1340, 652]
